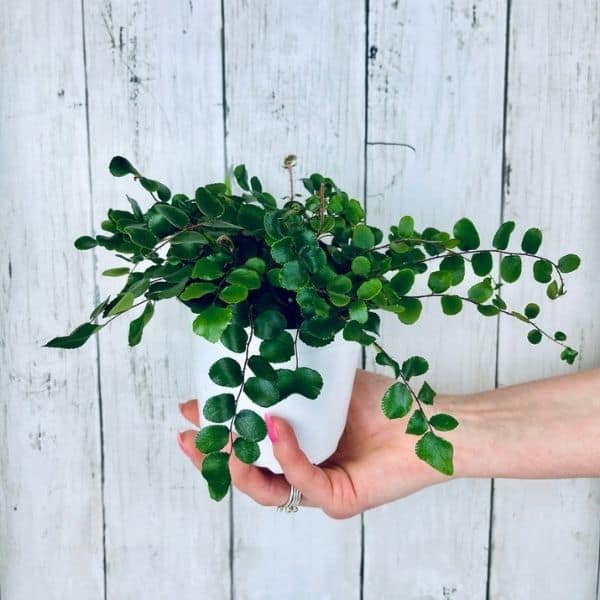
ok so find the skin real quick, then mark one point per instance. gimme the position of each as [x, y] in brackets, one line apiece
[541, 429]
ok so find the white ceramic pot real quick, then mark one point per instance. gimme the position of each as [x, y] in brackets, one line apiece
[318, 423]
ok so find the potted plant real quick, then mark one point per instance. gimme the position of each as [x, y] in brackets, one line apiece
[292, 293]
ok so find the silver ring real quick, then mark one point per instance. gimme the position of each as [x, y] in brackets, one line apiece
[293, 501]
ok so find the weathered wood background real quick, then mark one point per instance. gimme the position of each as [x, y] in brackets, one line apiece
[501, 102]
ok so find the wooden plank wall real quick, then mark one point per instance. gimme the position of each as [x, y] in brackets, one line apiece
[499, 101]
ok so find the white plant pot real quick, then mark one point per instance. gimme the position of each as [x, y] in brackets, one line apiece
[318, 423]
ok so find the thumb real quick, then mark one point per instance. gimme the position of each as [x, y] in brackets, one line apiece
[311, 480]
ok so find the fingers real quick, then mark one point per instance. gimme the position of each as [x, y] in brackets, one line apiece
[190, 411]
[298, 470]
[187, 443]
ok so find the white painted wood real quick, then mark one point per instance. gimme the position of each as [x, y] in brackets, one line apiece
[545, 534]
[436, 73]
[295, 84]
[154, 73]
[50, 508]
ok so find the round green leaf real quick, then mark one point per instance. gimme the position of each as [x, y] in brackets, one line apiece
[443, 422]
[120, 166]
[197, 290]
[455, 265]
[488, 310]
[261, 391]
[542, 271]
[466, 234]
[532, 310]
[411, 312]
[426, 394]
[396, 401]
[232, 294]
[251, 217]
[568, 263]
[211, 322]
[234, 338]
[482, 263]
[250, 425]
[358, 311]
[439, 281]
[361, 265]
[552, 290]
[417, 424]
[175, 216]
[307, 382]
[369, 289]
[313, 258]
[141, 236]
[534, 336]
[502, 236]
[207, 268]
[451, 305]
[283, 250]
[560, 336]
[249, 278]
[414, 366]
[219, 408]
[402, 281]
[362, 236]
[212, 438]
[246, 450]
[279, 348]
[226, 372]
[532, 240]
[406, 226]
[480, 292]
[340, 284]
[215, 469]
[257, 264]
[293, 275]
[207, 203]
[269, 324]
[510, 268]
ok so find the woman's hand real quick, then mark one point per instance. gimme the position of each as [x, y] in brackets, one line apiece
[374, 463]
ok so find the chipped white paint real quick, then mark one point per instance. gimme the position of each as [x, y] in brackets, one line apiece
[295, 82]
[436, 76]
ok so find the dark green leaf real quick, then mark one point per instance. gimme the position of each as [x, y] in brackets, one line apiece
[340, 284]
[76, 338]
[361, 265]
[396, 401]
[560, 336]
[480, 292]
[249, 278]
[542, 271]
[451, 305]
[232, 294]
[215, 469]
[488, 310]
[411, 310]
[384, 359]
[534, 336]
[212, 438]
[251, 217]
[293, 275]
[211, 322]
[417, 424]
[175, 216]
[353, 332]
[482, 263]
[358, 311]
[436, 452]
[569, 355]
[552, 290]
[120, 166]
[207, 268]
[226, 372]
[234, 338]
[197, 290]
[141, 235]
[219, 408]
[402, 281]
[256, 264]
[124, 302]
[136, 327]
[241, 176]
[207, 203]
[261, 391]
[414, 366]
[283, 250]
[510, 268]
[278, 349]
[406, 226]
[246, 450]
[502, 236]
[443, 422]
[269, 324]
[455, 265]
[532, 240]
[307, 382]
[116, 272]
[313, 258]
[426, 394]
[568, 263]
[250, 425]
[85, 242]
[532, 310]
[465, 232]
[261, 367]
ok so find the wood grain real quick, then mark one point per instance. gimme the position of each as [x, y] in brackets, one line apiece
[436, 73]
[288, 92]
[50, 496]
[545, 534]
[154, 73]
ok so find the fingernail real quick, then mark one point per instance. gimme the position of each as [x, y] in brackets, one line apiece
[271, 429]
[182, 445]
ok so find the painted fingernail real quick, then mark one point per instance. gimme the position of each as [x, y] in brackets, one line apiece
[182, 445]
[271, 429]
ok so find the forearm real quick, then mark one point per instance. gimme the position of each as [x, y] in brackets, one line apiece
[542, 429]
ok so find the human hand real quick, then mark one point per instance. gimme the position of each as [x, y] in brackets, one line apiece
[373, 464]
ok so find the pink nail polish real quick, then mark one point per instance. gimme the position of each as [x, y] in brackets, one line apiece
[182, 445]
[271, 429]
